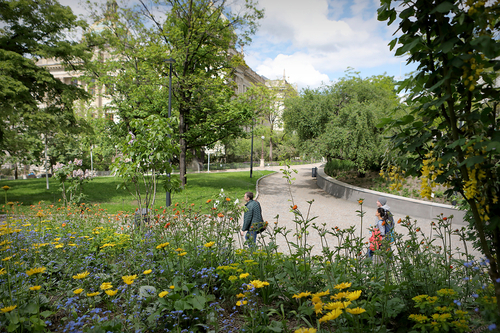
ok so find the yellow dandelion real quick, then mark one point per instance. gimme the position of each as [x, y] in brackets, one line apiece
[35, 288]
[111, 292]
[303, 294]
[306, 330]
[8, 308]
[343, 285]
[78, 291]
[5, 188]
[240, 303]
[182, 254]
[129, 279]
[357, 310]
[146, 272]
[172, 287]
[37, 270]
[163, 294]
[209, 244]
[93, 294]
[81, 275]
[106, 286]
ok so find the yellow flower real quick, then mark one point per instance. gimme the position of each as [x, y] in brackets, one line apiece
[172, 287]
[40, 214]
[2, 271]
[333, 306]
[340, 295]
[209, 244]
[308, 293]
[147, 272]
[7, 258]
[81, 275]
[179, 249]
[357, 310]
[240, 295]
[331, 315]
[35, 288]
[446, 292]
[129, 279]
[5, 188]
[318, 307]
[343, 285]
[182, 254]
[233, 278]
[306, 330]
[418, 318]
[106, 286]
[78, 291]
[322, 293]
[354, 295]
[35, 271]
[257, 284]
[240, 303]
[161, 246]
[163, 294]
[8, 308]
[244, 275]
[111, 292]
[59, 246]
[316, 299]
[93, 294]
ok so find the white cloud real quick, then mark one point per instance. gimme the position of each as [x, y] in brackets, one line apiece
[317, 40]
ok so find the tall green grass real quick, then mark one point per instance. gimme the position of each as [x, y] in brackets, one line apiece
[103, 190]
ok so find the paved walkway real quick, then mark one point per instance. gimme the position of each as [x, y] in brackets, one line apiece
[276, 197]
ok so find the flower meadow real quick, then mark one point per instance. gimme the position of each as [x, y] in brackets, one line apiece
[184, 269]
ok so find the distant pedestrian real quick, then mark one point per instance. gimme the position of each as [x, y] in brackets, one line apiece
[389, 226]
[378, 232]
[252, 219]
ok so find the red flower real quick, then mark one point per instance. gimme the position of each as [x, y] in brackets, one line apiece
[220, 215]
[209, 200]
[167, 225]
[294, 207]
[445, 218]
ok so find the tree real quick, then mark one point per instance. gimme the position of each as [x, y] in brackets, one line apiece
[31, 99]
[268, 102]
[200, 36]
[452, 134]
[339, 121]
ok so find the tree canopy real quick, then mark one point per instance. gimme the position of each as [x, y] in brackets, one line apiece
[32, 101]
[200, 36]
[339, 120]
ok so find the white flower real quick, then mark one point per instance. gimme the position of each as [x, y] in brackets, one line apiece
[237, 201]
[222, 190]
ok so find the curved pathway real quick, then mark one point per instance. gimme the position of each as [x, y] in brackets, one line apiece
[276, 197]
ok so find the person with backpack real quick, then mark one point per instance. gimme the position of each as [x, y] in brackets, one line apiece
[389, 223]
[252, 219]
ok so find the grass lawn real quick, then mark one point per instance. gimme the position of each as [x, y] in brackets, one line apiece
[102, 190]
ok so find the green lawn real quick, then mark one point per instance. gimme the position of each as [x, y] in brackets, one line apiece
[102, 190]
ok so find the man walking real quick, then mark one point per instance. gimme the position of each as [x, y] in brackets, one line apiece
[251, 219]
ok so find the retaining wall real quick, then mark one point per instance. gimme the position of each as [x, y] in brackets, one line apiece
[399, 205]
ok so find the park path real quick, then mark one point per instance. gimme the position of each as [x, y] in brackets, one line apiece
[275, 197]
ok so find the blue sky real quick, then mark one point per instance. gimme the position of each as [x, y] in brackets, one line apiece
[315, 41]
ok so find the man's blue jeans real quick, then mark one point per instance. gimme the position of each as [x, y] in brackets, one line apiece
[251, 238]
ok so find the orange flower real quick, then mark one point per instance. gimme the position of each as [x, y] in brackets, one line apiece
[220, 215]
[209, 200]
[228, 199]
[167, 225]
[294, 207]
[64, 224]
[445, 218]
[360, 201]
[399, 221]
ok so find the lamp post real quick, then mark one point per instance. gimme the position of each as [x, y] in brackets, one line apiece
[170, 61]
[262, 155]
[251, 153]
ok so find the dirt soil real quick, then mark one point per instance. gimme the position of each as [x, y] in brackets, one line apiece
[373, 181]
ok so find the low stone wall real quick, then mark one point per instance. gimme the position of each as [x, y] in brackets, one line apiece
[399, 205]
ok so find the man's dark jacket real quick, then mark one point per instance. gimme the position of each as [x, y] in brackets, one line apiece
[252, 216]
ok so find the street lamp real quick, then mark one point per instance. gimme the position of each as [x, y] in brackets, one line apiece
[170, 61]
[251, 152]
[262, 155]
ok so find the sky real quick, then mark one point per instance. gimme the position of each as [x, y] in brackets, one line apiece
[314, 42]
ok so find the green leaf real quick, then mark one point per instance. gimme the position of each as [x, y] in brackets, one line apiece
[46, 314]
[198, 302]
[443, 7]
[448, 45]
[31, 308]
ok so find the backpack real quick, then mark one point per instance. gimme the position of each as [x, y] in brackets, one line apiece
[389, 227]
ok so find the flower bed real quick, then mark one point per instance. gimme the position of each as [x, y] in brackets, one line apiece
[185, 271]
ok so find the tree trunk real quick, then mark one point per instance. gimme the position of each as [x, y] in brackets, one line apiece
[271, 144]
[15, 172]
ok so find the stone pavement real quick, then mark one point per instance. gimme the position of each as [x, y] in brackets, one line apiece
[276, 197]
